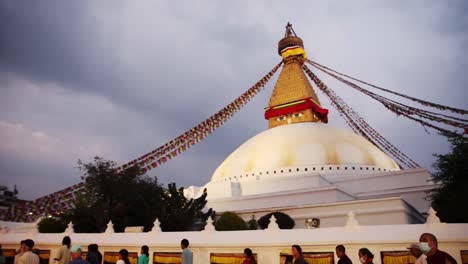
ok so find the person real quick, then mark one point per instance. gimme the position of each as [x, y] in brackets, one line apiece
[92, 257]
[96, 247]
[28, 257]
[249, 257]
[429, 247]
[297, 255]
[63, 253]
[19, 252]
[75, 253]
[415, 249]
[144, 257]
[2, 258]
[340, 252]
[123, 257]
[365, 256]
[187, 255]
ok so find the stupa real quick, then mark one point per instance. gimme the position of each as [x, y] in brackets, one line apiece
[310, 170]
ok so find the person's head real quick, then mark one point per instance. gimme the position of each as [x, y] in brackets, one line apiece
[22, 247]
[66, 241]
[428, 243]
[145, 250]
[123, 254]
[184, 243]
[28, 244]
[75, 251]
[248, 253]
[415, 249]
[296, 250]
[365, 256]
[340, 251]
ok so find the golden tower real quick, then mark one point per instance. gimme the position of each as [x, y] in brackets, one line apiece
[293, 99]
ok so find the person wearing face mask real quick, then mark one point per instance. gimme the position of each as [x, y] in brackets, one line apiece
[434, 255]
[365, 256]
[416, 251]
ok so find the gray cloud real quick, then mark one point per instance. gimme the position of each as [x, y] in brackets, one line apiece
[83, 78]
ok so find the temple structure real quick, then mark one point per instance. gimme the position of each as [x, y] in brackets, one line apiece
[310, 170]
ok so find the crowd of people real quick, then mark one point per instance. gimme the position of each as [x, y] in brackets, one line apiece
[425, 252]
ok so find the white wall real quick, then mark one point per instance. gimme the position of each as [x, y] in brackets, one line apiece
[266, 243]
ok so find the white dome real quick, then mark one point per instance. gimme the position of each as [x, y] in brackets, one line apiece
[302, 145]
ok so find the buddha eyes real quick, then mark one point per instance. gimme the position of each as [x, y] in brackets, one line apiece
[284, 117]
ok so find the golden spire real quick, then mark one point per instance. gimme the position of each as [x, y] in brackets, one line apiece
[293, 99]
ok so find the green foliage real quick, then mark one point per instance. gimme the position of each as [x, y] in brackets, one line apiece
[181, 214]
[85, 216]
[230, 221]
[452, 175]
[52, 225]
[253, 225]
[129, 198]
[284, 221]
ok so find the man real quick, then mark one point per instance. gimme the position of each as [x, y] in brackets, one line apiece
[28, 257]
[434, 255]
[340, 252]
[297, 255]
[187, 255]
[416, 251]
[19, 252]
[75, 253]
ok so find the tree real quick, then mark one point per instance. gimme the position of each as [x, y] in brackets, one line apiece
[52, 225]
[85, 216]
[230, 221]
[284, 221]
[253, 225]
[452, 175]
[180, 213]
[128, 198]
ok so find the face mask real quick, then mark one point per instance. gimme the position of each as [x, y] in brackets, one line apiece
[363, 260]
[425, 248]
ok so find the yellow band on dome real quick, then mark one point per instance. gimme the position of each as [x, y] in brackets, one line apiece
[293, 52]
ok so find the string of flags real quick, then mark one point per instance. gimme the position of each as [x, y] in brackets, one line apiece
[405, 110]
[423, 102]
[359, 125]
[58, 201]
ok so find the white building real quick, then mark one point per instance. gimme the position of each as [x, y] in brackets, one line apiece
[308, 169]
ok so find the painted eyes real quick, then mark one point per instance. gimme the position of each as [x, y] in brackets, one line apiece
[284, 117]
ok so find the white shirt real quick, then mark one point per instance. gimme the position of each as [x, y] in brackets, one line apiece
[28, 258]
[421, 259]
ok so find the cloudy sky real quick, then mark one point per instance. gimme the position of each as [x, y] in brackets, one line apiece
[117, 79]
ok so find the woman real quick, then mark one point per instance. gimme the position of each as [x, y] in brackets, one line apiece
[365, 256]
[63, 253]
[144, 257]
[249, 257]
[123, 257]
